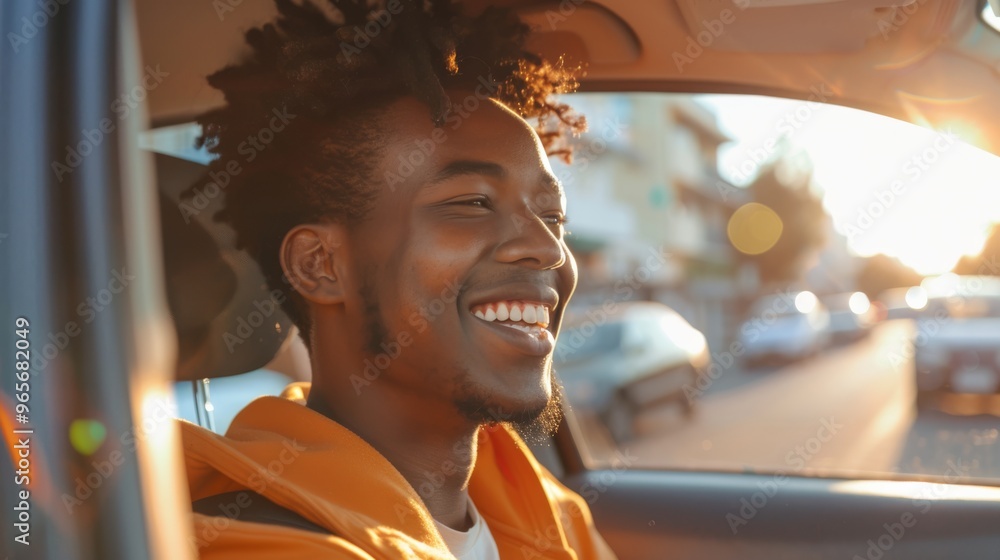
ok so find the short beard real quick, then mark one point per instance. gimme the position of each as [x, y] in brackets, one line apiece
[535, 425]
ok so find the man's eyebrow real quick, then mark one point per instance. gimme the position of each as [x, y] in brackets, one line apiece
[469, 167]
[553, 182]
[488, 169]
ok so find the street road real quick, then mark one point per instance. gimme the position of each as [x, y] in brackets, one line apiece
[849, 412]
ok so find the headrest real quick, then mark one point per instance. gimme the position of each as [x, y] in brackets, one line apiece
[226, 318]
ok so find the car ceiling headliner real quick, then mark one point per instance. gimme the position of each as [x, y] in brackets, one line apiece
[933, 63]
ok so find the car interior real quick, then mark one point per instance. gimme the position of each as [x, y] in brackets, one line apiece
[170, 343]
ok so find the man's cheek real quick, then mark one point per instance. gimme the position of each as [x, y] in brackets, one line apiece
[418, 322]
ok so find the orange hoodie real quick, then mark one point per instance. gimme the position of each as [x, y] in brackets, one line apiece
[307, 463]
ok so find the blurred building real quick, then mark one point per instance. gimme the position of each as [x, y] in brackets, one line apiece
[649, 210]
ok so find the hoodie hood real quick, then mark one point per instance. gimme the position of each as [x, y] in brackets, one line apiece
[303, 461]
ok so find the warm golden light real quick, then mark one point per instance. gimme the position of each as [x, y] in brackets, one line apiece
[918, 194]
[917, 490]
[754, 228]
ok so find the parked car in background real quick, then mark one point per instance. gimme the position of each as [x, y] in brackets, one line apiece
[903, 303]
[957, 350]
[851, 316]
[784, 327]
[635, 355]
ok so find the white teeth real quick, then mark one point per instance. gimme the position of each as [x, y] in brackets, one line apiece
[515, 313]
[529, 314]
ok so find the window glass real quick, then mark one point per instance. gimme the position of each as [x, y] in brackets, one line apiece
[992, 19]
[602, 340]
[815, 289]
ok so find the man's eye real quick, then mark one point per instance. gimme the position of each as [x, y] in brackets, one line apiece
[557, 219]
[477, 202]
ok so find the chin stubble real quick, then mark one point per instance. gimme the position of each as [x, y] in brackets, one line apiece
[534, 424]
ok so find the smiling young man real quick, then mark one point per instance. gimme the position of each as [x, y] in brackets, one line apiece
[411, 208]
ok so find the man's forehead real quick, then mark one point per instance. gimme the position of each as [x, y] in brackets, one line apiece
[490, 141]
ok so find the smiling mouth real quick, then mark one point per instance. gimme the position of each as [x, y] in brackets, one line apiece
[525, 316]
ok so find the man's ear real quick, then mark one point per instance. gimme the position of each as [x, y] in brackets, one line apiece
[312, 258]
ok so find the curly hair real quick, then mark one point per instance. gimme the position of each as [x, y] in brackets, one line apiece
[300, 135]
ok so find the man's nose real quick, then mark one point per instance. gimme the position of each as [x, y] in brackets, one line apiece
[530, 241]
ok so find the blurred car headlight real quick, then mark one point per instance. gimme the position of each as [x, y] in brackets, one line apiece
[916, 298]
[805, 301]
[692, 341]
[859, 303]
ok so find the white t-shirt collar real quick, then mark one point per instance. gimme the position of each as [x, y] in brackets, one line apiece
[475, 544]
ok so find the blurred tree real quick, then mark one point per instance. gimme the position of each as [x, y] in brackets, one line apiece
[787, 190]
[987, 261]
[881, 272]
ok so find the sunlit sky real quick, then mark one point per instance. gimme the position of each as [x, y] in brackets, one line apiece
[948, 198]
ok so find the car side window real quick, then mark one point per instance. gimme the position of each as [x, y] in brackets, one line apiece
[797, 287]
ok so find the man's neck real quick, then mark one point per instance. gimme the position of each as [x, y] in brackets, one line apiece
[437, 463]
